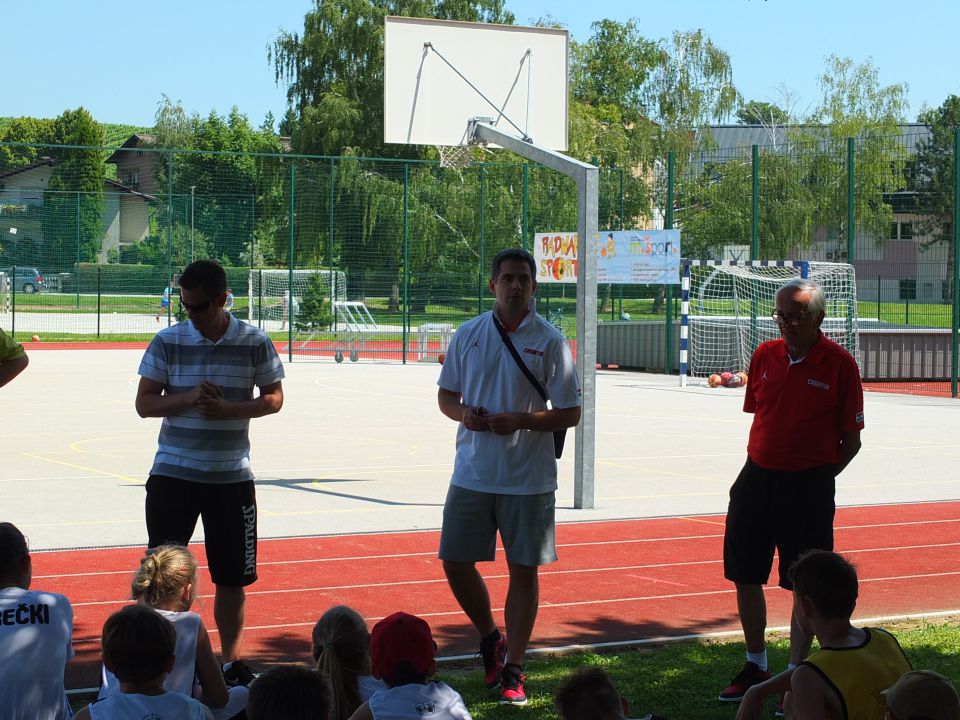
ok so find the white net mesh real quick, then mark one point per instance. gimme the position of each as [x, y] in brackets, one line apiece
[731, 309]
[269, 288]
[455, 156]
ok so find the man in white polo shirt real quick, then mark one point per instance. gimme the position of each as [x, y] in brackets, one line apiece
[505, 472]
[199, 376]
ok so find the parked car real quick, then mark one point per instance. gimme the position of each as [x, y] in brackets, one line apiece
[28, 279]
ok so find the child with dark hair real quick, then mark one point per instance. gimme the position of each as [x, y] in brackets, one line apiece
[402, 653]
[290, 692]
[846, 676]
[588, 694]
[138, 648]
[167, 581]
[35, 638]
[341, 651]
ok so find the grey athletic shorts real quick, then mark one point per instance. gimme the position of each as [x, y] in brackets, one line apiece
[471, 520]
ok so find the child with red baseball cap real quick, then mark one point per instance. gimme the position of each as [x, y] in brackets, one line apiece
[402, 654]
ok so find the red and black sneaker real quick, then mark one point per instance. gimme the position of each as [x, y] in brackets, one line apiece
[511, 686]
[494, 656]
[750, 675]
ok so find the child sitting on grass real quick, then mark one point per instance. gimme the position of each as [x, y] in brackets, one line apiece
[402, 653]
[138, 646]
[341, 651]
[589, 694]
[35, 638]
[845, 677]
[290, 692]
[167, 583]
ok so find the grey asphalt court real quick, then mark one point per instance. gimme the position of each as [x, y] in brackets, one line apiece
[362, 447]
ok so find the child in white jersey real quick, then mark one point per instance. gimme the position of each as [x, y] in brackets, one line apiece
[402, 653]
[290, 692]
[35, 638]
[167, 582]
[341, 651]
[138, 646]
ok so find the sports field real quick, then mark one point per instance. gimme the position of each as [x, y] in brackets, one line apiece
[351, 479]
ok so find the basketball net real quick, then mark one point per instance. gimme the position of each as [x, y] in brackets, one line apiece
[455, 156]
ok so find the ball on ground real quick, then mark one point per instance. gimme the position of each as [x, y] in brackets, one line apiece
[714, 380]
[441, 357]
[35, 338]
[725, 377]
[743, 378]
[734, 380]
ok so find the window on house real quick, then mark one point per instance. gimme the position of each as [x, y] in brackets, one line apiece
[908, 289]
[893, 231]
[906, 231]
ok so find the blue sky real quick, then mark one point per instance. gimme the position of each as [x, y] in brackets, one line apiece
[116, 59]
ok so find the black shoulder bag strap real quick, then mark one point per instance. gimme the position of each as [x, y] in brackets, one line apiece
[559, 436]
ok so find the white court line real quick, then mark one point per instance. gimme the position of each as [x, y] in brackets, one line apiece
[432, 553]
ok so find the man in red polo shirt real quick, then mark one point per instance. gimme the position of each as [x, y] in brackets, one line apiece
[807, 404]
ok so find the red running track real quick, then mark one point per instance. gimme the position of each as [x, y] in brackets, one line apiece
[616, 581]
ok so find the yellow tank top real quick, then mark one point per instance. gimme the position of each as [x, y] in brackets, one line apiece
[859, 674]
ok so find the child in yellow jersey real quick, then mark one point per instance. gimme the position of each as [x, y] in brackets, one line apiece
[846, 676]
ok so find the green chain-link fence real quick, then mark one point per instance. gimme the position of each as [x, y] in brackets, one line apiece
[385, 257]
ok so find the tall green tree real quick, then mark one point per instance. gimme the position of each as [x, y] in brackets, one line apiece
[227, 196]
[333, 70]
[73, 204]
[932, 178]
[855, 105]
[635, 98]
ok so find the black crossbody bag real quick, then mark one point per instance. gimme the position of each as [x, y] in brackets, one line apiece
[559, 436]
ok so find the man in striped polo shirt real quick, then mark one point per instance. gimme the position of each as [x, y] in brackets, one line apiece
[199, 376]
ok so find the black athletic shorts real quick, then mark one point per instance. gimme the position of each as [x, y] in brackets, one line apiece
[790, 511]
[229, 514]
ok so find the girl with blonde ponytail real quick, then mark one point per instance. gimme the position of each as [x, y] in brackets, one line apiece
[167, 582]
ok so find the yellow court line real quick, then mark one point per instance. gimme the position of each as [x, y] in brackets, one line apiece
[75, 445]
[105, 473]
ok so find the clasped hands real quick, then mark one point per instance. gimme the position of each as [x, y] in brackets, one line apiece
[479, 420]
[209, 401]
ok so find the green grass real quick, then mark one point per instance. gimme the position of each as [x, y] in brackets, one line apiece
[675, 680]
[682, 680]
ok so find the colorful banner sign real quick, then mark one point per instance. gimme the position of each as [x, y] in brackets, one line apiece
[629, 257]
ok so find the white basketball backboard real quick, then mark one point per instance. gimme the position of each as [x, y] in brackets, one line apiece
[429, 66]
